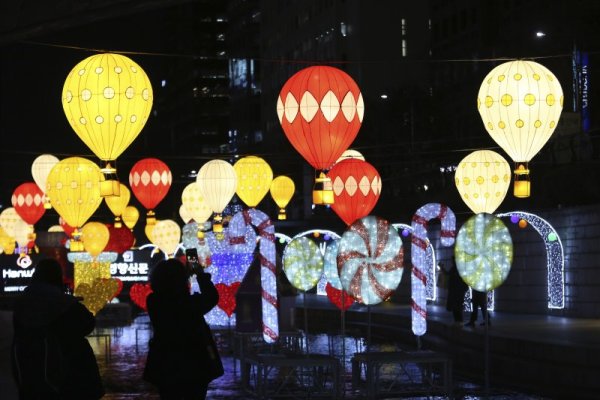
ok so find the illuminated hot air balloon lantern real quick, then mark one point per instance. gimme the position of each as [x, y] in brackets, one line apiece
[350, 153]
[282, 190]
[28, 202]
[218, 182]
[356, 188]
[520, 103]
[94, 236]
[482, 180]
[150, 180]
[117, 203]
[73, 186]
[107, 99]
[130, 216]
[254, 177]
[166, 235]
[320, 109]
[194, 202]
[40, 168]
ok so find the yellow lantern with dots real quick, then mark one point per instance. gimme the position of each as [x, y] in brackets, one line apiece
[107, 99]
[95, 236]
[117, 203]
[520, 104]
[166, 235]
[482, 180]
[194, 202]
[254, 176]
[282, 190]
[130, 216]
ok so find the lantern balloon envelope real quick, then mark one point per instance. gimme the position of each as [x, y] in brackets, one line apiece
[117, 203]
[483, 252]
[107, 99]
[193, 200]
[482, 180]
[95, 236]
[302, 263]
[350, 153]
[8, 220]
[184, 214]
[22, 234]
[218, 181]
[520, 103]
[166, 235]
[150, 180]
[27, 199]
[356, 187]
[40, 168]
[74, 189]
[282, 190]
[130, 216]
[254, 176]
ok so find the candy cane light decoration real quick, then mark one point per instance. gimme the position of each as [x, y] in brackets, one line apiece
[419, 255]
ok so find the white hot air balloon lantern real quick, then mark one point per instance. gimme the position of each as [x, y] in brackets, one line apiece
[218, 182]
[39, 170]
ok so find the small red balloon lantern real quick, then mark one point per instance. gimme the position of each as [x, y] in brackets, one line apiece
[150, 180]
[28, 201]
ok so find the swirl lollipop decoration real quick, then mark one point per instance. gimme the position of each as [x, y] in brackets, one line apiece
[370, 259]
[483, 252]
[418, 251]
[302, 263]
[333, 289]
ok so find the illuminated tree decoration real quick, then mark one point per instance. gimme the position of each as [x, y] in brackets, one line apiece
[482, 180]
[107, 99]
[40, 168]
[130, 216]
[95, 236]
[302, 263]
[150, 180]
[166, 235]
[282, 189]
[520, 103]
[369, 260]
[483, 252]
[194, 202]
[356, 188]
[218, 182]
[254, 176]
[419, 257]
[117, 203]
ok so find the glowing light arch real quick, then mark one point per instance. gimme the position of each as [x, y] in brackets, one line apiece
[554, 256]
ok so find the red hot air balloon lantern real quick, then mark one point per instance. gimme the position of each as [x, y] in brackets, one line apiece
[320, 109]
[150, 180]
[28, 201]
[356, 188]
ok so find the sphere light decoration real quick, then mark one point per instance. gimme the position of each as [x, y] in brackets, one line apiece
[419, 257]
[356, 188]
[107, 99]
[218, 182]
[130, 216]
[520, 104]
[302, 263]
[40, 168]
[166, 235]
[150, 180]
[483, 252]
[194, 202]
[282, 190]
[94, 236]
[370, 259]
[482, 180]
[254, 177]
[117, 203]
[320, 109]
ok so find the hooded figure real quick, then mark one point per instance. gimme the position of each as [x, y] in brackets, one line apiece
[52, 359]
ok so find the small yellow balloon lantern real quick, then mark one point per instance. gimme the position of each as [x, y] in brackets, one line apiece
[218, 182]
[520, 103]
[184, 214]
[23, 234]
[194, 202]
[117, 203]
[130, 216]
[282, 190]
[166, 235]
[40, 169]
[254, 176]
[482, 179]
[8, 220]
[107, 99]
[94, 236]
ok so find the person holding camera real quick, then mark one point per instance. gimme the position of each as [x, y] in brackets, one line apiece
[51, 356]
[182, 357]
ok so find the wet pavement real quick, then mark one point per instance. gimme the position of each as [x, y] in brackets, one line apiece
[121, 353]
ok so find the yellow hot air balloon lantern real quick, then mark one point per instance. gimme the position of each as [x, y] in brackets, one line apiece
[107, 99]
[282, 190]
[23, 235]
[166, 235]
[95, 236]
[218, 182]
[73, 185]
[482, 180]
[520, 104]
[40, 169]
[194, 201]
[130, 216]
[117, 203]
[254, 176]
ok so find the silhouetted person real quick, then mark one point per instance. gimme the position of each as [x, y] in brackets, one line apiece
[51, 357]
[478, 300]
[456, 293]
[183, 358]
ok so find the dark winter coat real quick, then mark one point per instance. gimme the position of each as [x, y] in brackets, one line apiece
[456, 290]
[178, 351]
[48, 321]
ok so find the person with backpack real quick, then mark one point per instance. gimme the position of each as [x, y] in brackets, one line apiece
[51, 356]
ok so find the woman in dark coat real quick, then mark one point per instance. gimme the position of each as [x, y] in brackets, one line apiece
[183, 358]
[52, 359]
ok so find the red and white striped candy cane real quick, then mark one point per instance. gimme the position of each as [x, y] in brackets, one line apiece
[268, 279]
[418, 253]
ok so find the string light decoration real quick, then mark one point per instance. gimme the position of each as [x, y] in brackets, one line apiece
[555, 258]
[302, 263]
[418, 252]
[369, 260]
[339, 298]
[330, 269]
[483, 252]
[139, 294]
[97, 293]
[268, 277]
